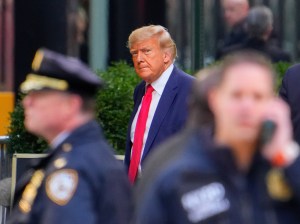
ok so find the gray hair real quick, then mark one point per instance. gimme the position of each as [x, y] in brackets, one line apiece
[147, 32]
[259, 21]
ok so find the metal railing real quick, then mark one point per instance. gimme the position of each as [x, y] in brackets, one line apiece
[5, 158]
[5, 170]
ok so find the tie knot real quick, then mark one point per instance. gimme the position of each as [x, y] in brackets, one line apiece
[149, 89]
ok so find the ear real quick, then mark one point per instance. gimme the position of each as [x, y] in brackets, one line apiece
[212, 98]
[73, 103]
[76, 102]
[167, 57]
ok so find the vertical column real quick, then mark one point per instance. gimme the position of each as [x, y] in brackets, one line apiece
[1, 46]
[71, 35]
[98, 35]
[6, 45]
[197, 34]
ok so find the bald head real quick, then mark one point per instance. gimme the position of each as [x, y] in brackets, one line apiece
[235, 11]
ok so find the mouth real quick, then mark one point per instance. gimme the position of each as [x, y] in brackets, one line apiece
[143, 68]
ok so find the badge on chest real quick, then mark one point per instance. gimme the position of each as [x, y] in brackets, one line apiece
[61, 186]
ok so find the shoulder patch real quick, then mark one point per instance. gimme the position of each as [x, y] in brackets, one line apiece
[61, 186]
[205, 202]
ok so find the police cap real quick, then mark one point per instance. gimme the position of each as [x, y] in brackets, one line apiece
[54, 71]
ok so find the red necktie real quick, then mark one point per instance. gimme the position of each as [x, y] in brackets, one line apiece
[139, 134]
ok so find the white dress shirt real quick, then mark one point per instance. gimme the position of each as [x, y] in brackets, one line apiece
[158, 86]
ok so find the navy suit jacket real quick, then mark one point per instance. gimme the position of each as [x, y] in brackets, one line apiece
[290, 92]
[170, 115]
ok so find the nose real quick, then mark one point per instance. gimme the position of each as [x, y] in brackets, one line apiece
[248, 103]
[140, 57]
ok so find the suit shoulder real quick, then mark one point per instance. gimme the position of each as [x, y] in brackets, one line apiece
[96, 154]
[294, 68]
[183, 74]
[292, 73]
[183, 77]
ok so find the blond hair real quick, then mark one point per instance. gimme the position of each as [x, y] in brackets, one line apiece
[147, 32]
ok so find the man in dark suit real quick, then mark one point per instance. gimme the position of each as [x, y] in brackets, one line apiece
[160, 107]
[259, 27]
[235, 13]
[79, 181]
[290, 92]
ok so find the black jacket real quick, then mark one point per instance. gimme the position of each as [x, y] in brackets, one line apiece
[204, 186]
[236, 35]
[267, 48]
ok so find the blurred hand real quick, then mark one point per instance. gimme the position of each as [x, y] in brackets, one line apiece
[281, 150]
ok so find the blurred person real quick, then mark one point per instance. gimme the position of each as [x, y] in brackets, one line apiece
[259, 27]
[290, 92]
[235, 13]
[239, 174]
[79, 181]
[81, 33]
[160, 100]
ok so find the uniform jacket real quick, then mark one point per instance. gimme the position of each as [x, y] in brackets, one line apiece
[102, 193]
[290, 92]
[170, 114]
[204, 186]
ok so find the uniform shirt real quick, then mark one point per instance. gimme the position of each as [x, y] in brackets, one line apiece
[82, 183]
[204, 186]
[158, 86]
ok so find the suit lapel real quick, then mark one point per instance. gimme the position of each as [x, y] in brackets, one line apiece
[163, 107]
[139, 97]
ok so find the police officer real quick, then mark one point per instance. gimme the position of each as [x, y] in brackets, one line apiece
[79, 181]
[239, 174]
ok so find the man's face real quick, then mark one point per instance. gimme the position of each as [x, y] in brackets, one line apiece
[234, 11]
[149, 60]
[45, 112]
[240, 101]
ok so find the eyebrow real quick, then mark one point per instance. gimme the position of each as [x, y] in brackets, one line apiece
[133, 51]
[143, 48]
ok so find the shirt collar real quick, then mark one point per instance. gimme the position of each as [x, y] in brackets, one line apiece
[159, 84]
[59, 139]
